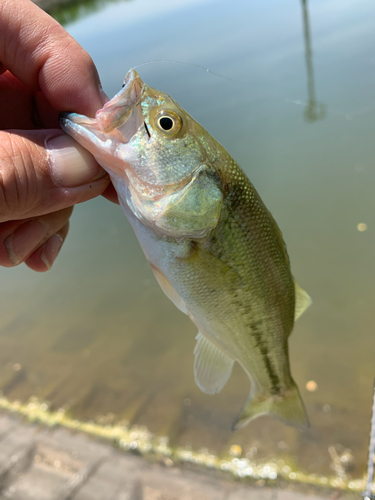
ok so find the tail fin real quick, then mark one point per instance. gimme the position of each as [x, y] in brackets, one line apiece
[288, 408]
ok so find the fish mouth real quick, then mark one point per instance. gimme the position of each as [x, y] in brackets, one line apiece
[116, 122]
[116, 111]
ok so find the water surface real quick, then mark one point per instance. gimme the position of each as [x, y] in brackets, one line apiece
[97, 336]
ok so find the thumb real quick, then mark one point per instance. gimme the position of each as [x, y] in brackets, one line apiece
[43, 171]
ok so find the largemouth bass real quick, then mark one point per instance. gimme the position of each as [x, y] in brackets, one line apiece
[213, 246]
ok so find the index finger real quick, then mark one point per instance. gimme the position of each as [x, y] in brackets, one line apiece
[43, 56]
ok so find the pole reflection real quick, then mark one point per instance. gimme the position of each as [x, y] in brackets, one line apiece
[314, 110]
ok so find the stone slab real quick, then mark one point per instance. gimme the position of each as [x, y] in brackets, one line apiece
[58, 464]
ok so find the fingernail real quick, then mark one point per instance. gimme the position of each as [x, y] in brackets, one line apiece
[71, 165]
[24, 239]
[51, 250]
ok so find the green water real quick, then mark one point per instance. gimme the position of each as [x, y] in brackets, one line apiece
[97, 336]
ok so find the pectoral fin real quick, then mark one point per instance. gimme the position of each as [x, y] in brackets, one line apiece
[303, 301]
[168, 289]
[212, 367]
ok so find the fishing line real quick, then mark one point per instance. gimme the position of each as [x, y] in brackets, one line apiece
[186, 64]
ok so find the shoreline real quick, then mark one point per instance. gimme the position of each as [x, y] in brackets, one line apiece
[51, 4]
[67, 11]
[71, 465]
[244, 479]
[48, 5]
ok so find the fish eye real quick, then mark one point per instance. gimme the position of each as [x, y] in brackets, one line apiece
[168, 122]
[165, 123]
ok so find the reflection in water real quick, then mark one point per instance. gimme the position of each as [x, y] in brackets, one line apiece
[314, 110]
[67, 11]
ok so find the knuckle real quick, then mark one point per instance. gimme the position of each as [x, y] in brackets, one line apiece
[16, 175]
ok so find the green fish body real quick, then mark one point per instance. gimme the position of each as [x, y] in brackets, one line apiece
[214, 248]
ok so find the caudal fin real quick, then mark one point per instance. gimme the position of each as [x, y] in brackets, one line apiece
[288, 408]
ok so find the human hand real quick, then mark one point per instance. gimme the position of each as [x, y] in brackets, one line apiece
[43, 172]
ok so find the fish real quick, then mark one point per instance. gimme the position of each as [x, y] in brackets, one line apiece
[212, 244]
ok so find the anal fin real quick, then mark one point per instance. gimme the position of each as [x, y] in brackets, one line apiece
[212, 367]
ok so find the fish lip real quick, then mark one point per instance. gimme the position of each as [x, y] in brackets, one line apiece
[70, 116]
[116, 111]
[115, 123]
[130, 76]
